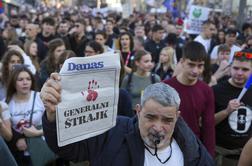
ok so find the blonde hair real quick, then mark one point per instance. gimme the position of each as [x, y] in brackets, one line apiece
[172, 61]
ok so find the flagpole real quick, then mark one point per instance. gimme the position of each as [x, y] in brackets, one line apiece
[245, 88]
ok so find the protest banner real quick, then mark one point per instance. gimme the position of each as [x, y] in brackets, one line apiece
[197, 16]
[90, 88]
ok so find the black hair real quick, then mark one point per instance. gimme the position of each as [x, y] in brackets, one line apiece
[194, 51]
[156, 28]
[130, 38]
[246, 25]
[231, 31]
[172, 39]
[96, 46]
[103, 33]
[48, 20]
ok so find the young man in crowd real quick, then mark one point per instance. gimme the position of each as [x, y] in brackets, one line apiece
[221, 69]
[205, 37]
[157, 136]
[230, 41]
[155, 44]
[233, 117]
[197, 101]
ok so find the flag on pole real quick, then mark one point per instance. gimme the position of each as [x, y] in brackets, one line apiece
[245, 88]
[169, 4]
[1, 6]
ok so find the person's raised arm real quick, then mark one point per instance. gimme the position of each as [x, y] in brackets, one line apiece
[51, 95]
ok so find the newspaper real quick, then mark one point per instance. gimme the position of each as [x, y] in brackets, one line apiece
[90, 88]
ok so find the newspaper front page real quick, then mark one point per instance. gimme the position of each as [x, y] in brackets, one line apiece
[90, 88]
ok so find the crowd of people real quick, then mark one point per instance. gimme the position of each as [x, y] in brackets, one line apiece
[178, 92]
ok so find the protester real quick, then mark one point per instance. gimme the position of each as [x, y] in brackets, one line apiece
[48, 65]
[197, 101]
[77, 38]
[221, 69]
[10, 58]
[137, 141]
[23, 101]
[32, 31]
[166, 64]
[140, 77]
[126, 46]
[101, 37]
[109, 26]
[155, 44]
[233, 117]
[205, 37]
[48, 32]
[31, 49]
[230, 39]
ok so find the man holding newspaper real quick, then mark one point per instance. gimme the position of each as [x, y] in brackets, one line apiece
[156, 136]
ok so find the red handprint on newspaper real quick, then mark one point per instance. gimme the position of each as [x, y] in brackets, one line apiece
[92, 93]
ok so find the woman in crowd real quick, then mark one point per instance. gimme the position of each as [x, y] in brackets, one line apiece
[166, 65]
[23, 102]
[101, 37]
[220, 37]
[31, 49]
[126, 46]
[49, 65]
[140, 77]
[93, 48]
[9, 35]
[10, 58]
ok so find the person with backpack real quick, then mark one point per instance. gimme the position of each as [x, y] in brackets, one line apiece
[140, 77]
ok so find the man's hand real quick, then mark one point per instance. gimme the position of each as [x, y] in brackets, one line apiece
[232, 106]
[50, 95]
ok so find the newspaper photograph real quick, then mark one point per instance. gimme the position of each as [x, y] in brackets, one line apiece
[90, 88]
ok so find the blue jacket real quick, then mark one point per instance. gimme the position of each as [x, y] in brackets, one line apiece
[122, 145]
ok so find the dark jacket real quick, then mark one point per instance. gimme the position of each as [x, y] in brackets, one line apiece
[122, 145]
[6, 156]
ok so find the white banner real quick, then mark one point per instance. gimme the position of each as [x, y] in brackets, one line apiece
[90, 88]
[197, 16]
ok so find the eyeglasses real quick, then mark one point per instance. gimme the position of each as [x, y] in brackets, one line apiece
[243, 54]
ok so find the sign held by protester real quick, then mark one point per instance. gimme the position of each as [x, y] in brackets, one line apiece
[90, 88]
[197, 16]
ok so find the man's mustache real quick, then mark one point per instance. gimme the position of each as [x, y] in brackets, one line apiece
[156, 137]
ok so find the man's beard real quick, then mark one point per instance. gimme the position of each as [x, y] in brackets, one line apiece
[154, 138]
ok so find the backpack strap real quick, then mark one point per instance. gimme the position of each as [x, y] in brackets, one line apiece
[153, 80]
[129, 81]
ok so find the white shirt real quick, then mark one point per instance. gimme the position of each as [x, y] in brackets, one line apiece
[176, 159]
[234, 48]
[205, 42]
[22, 111]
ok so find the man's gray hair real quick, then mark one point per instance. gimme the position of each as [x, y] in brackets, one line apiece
[161, 93]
